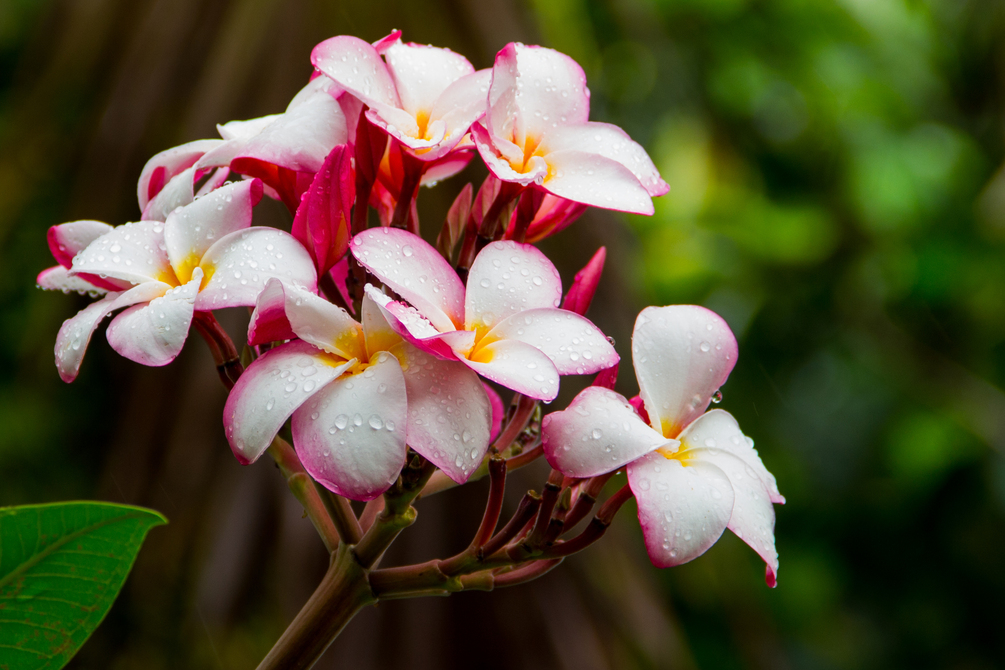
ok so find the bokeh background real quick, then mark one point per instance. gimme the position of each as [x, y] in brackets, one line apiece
[838, 196]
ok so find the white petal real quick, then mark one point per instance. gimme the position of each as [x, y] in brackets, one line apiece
[682, 355]
[682, 510]
[517, 366]
[178, 192]
[69, 239]
[165, 165]
[422, 73]
[505, 279]
[323, 324]
[351, 435]
[302, 137]
[57, 278]
[571, 341]
[154, 333]
[270, 390]
[133, 252]
[239, 265]
[598, 433]
[595, 180]
[356, 66]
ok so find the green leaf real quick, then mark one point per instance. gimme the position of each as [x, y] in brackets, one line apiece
[61, 567]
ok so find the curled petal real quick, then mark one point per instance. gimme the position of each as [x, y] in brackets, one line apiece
[506, 279]
[191, 230]
[160, 169]
[57, 278]
[415, 271]
[154, 333]
[611, 142]
[571, 341]
[411, 326]
[534, 90]
[238, 266]
[133, 252]
[351, 435]
[449, 414]
[598, 433]
[422, 73]
[682, 510]
[269, 322]
[270, 390]
[75, 333]
[498, 411]
[329, 327]
[322, 220]
[69, 239]
[595, 180]
[682, 355]
[517, 366]
[553, 216]
[178, 192]
[356, 66]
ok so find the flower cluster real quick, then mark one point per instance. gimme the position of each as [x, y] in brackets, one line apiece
[380, 350]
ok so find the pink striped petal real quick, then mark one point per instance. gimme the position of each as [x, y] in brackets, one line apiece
[449, 415]
[270, 390]
[535, 90]
[506, 279]
[356, 66]
[422, 73]
[154, 333]
[682, 509]
[682, 355]
[517, 366]
[269, 322]
[160, 169]
[178, 192]
[571, 341]
[595, 180]
[68, 239]
[57, 278]
[611, 142]
[133, 252]
[75, 333]
[238, 266]
[413, 269]
[190, 231]
[598, 433]
[322, 221]
[351, 435]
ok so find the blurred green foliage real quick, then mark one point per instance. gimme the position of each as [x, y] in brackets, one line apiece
[838, 195]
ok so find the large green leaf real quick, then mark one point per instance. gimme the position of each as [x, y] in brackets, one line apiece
[61, 566]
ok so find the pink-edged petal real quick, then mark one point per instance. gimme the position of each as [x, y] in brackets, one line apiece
[500, 155]
[239, 265]
[498, 411]
[598, 433]
[236, 134]
[133, 252]
[422, 73]
[517, 366]
[572, 342]
[682, 509]
[269, 322]
[449, 414]
[682, 355]
[190, 231]
[718, 429]
[322, 221]
[384, 43]
[415, 271]
[584, 285]
[447, 166]
[57, 278]
[154, 333]
[411, 326]
[329, 327]
[535, 89]
[68, 239]
[610, 142]
[351, 435]
[594, 180]
[506, 279]
[178, 192]
[75, 333]
[160, 169]
[356, 66]
[270, 390]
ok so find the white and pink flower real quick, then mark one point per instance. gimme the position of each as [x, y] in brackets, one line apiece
[693, 473]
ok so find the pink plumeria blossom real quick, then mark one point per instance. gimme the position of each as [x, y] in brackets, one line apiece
[355, 393]
[694, 473]
[423, 96]
[505, 325]
[537, 131]
[203, 257]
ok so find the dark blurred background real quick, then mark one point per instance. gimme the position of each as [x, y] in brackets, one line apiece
[838, 196]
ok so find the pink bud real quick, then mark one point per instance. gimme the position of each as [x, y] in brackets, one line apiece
[584, 286]
[322, 220]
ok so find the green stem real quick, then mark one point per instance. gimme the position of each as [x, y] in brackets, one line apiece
[302, 486]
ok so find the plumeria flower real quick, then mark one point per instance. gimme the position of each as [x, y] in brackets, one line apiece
[356, 393]
[537, 132]
[693, 473]
[423, 96]
[203, 257]
[506, 325]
